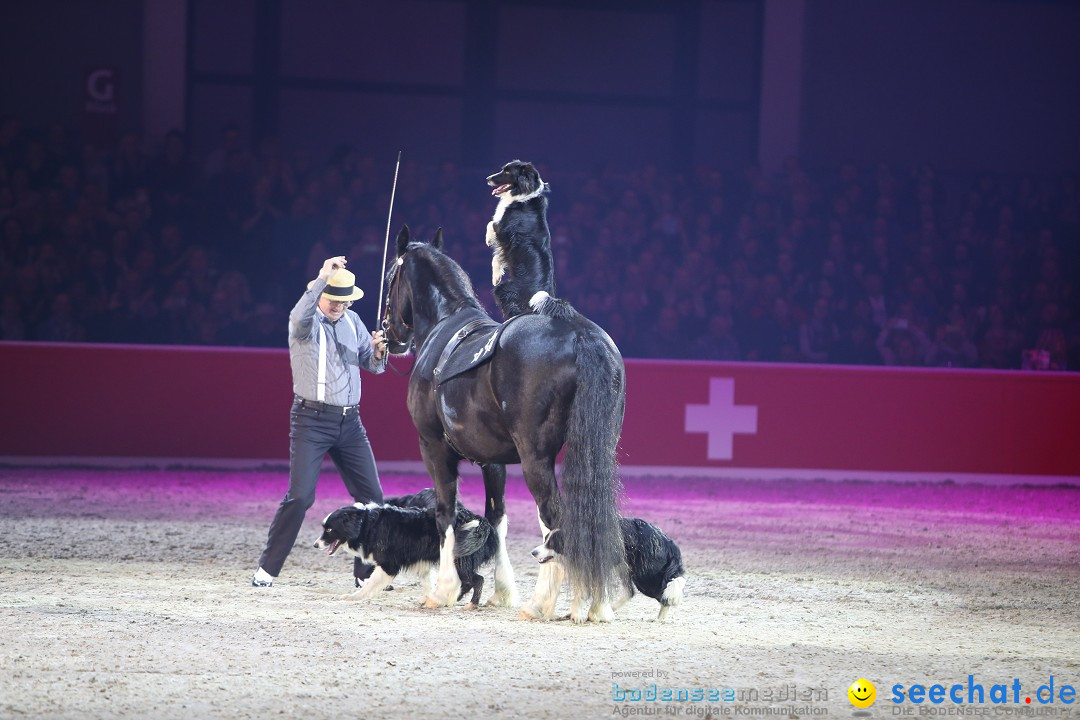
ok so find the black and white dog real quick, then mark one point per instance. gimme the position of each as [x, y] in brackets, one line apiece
[396, 539]
[654, 561]
[522, 270]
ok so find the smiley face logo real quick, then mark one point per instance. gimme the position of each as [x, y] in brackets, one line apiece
[862, 693]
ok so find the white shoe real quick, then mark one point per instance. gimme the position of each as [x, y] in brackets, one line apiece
[262, 579]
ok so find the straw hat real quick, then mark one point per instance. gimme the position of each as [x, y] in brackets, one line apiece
[341, 285]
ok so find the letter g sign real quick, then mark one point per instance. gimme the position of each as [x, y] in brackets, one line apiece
[99, 85]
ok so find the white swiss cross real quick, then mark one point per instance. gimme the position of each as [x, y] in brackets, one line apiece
[721, 418]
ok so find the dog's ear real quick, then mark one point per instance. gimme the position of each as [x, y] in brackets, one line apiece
[554, 541]
[352, 523]
[402, 240]
[437, 241]
[528, 179]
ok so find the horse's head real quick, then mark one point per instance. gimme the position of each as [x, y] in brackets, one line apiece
[397, 320]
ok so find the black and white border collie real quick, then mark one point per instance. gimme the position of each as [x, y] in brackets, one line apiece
[522, 270]
[654, 561]
[396, 539]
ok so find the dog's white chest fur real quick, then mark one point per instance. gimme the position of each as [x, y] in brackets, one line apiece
[498, 260]
[504, 202]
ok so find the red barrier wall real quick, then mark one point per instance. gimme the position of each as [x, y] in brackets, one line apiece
[80, 400]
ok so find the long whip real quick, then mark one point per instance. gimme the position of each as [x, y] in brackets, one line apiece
[386, 243]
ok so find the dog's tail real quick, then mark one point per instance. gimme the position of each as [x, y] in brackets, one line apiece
[593, 552]
[544, 304]
[473, 533]
[673, 595]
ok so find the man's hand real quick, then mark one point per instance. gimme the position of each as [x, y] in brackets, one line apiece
[378, 344]
[331, 265]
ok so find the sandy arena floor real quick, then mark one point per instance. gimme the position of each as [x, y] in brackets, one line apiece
[125, 594]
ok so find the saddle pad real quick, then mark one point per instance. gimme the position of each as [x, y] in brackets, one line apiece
[471, 346]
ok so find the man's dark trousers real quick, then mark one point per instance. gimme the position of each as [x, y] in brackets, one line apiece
[313, 434]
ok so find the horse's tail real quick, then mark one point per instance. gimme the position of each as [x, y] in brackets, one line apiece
[593, 550]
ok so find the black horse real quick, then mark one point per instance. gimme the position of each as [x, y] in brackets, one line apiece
[552, 380]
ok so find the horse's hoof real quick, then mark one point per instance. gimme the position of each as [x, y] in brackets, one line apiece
[350, 596]
[603, 613]
[529, 613]
[433, 602]
[471, 606]
[501, 600]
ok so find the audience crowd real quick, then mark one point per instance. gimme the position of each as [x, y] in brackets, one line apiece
[847, 265]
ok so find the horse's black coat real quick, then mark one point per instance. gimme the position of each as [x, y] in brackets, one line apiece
[554, 381]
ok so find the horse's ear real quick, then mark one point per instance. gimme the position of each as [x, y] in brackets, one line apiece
[436, 242]
[402, 239]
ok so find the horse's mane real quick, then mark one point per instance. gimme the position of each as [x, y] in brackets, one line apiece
[449, 276]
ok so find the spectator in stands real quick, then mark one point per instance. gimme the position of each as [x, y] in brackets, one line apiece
[874, 291]
[1050, 335]
[230, 142]
[953, 348]
[819, 334]
[12, 326]
[901, 342]
[718, 342]
[130, 168]
[61, 325]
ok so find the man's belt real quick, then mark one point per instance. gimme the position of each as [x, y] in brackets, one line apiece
[324, 407]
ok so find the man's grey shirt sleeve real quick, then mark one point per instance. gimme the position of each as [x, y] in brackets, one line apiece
[302, 317]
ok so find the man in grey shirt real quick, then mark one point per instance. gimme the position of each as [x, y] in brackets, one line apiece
[328, 344]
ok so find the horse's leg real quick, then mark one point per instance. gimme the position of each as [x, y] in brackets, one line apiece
[578, 607]
[442, 466]
[549, 582]
[495, 511]
[605, 612]
[602, 611]
[540, 477]
[427, 580]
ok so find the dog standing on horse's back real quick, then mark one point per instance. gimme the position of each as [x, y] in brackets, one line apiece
[522, 270]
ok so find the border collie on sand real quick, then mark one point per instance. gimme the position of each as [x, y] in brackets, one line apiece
[396, 539]
[654, 560]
